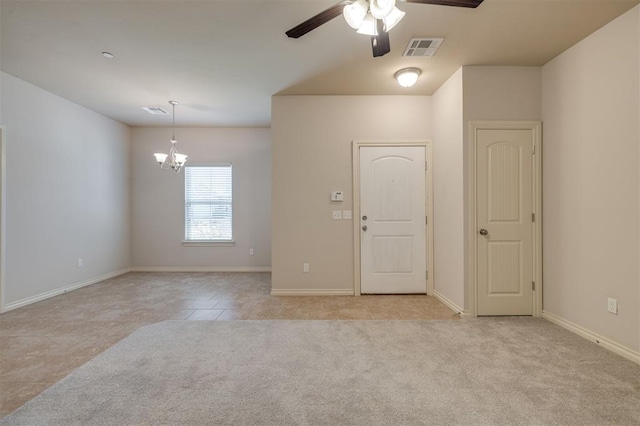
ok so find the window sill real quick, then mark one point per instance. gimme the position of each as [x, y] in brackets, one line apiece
[208, 243]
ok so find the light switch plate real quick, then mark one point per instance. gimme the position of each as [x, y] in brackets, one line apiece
[346, 214]
[337, 215]
[612, 305]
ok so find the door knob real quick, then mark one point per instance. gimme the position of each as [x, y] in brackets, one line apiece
[484, 232]
[364, 228]
[364, 218]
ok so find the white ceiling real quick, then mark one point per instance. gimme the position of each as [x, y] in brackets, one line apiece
[223, 60]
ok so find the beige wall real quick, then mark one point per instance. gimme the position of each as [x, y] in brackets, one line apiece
[448, 137]
[67, 193]
[502, 93]
[496, 93]
[158, 199]
[591, 182]
[312, 138]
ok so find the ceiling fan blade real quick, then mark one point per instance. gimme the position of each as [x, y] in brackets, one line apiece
[458, 3]
[317, 20]
[380, 43]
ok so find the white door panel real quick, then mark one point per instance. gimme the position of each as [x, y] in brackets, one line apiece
[504, 217]
[393, 230]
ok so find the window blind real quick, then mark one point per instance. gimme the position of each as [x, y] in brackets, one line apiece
[208, 203]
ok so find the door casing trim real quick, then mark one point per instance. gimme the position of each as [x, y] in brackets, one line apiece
[3, 217]
[472, 285]
[355, 156]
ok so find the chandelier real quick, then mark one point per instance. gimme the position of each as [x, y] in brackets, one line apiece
[174, 160]
[362, 15]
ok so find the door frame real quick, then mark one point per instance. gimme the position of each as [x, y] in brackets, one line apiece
[355, 156]
[3, 233]
[472, 235]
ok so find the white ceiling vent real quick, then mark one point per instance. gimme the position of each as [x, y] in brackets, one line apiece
[422, 47]
[155, 110]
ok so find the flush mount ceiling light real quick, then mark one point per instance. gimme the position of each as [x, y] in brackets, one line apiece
[108, 55]
[174, 160]
[407, 77]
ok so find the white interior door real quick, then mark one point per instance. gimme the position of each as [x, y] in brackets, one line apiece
[392, 220]
[504, 194]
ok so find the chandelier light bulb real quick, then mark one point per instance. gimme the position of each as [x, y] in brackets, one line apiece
[160, 157]
[181, 159]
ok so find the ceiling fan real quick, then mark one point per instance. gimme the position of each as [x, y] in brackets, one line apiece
[371, 17]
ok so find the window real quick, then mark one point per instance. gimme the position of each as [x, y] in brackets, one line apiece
[208, 203]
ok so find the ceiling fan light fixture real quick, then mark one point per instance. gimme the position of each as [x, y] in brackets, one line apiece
[393, 18]
[368, 26]
[354, 13]
[379, 9]
[407, 77]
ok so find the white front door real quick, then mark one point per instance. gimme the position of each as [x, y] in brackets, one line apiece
[392, 220]
[504, 194]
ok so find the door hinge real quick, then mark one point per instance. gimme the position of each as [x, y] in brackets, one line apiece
[533, 217]
[533, 149]
[426, 220]
[533, 285]
[427, 274]
[425, 165]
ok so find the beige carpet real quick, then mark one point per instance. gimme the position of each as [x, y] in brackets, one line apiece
[484, 371]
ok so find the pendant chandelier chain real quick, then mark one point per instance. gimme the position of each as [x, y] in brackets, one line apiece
[173, 116]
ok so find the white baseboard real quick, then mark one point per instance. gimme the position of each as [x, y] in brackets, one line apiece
[201, 269]
[617, 348]
[66, 289]
[310, 292]
[449, 303]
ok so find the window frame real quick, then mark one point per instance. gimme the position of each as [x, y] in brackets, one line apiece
[210, 242]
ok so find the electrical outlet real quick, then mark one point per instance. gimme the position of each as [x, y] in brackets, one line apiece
[250, 252]
[305, 267]
[337, 215]
[612, 305]
[80, 262]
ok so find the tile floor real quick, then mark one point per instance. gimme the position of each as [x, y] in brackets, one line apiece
[43, 342]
